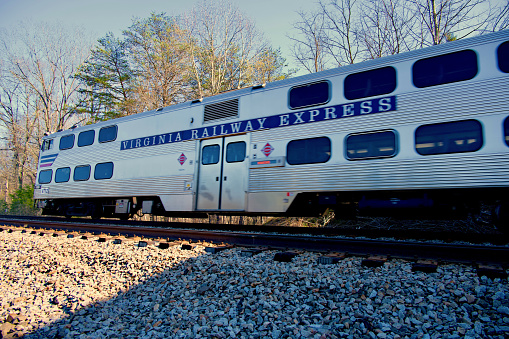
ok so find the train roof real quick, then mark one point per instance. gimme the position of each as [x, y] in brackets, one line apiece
[308, 78]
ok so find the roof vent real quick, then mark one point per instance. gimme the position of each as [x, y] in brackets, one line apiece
[221, 110]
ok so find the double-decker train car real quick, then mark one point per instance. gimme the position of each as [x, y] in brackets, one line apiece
[426, 130]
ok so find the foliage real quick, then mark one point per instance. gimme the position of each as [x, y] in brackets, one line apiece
[22, 202]
[163, 60]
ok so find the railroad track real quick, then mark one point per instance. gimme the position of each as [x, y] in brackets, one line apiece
[490, 259]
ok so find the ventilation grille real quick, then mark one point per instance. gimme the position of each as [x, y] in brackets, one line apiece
[221, 110]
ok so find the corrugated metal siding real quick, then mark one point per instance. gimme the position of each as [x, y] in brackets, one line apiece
[440, 103]
[445, 171]
[118, 188]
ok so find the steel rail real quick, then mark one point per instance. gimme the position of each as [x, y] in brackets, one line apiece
[409, 250]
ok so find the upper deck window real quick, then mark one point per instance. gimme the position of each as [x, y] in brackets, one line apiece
[370, 83]
[47, 145]
[309, 95]
[449, 137]
[66, 142]
[107, 134]
[371, 145]
[444, 69]
[86, 138]
[308, 151]
[503, 57]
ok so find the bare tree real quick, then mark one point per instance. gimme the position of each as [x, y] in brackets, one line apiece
[37, 90]
[387, 27]
[446, 20]
[342, 32]
[224, 42]
[500, 18]
[309, 43]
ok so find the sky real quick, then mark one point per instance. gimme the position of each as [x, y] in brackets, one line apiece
[272, 17]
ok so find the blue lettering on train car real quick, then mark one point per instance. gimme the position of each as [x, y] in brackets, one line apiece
[360, 108]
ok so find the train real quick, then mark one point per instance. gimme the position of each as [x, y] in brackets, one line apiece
[425, 131]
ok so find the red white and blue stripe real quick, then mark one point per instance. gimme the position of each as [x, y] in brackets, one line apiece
[47, 160]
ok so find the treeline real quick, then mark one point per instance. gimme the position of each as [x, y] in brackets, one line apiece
[54, 76]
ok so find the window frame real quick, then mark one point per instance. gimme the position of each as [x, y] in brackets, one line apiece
[47, 145]
[289, 159]
[218, 154]
[505, 130]
[396, 145]
[106, 177]
[504, 67]
[227, 153]
[329, 96]
[105, 128]
[81, 166]
[423, 66]
[50, 177]
[449, 123]
[60, 169]
[83, 133]
[65, 137]
[347, 82]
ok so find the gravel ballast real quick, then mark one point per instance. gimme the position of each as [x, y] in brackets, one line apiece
[59, 287]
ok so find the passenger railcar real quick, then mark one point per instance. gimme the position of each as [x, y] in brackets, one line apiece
[423, 130]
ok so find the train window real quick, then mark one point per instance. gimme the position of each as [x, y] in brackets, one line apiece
[107, 134]
[371, 145]
[81, 173]
[66, 142]
[45, 176]
[503, 57]
[210, 155]
[309, 95]
[47, 145]
[444, 69]
[236, 151]
[86, 138]
[103, 171]
[370, 83]
[506, 131]
[308, 151]
[63, 174]
[449, 137]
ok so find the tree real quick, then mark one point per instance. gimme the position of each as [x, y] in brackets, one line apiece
[159, 54]
[106, 80]
[342, 32]
[37, 90]
[224, 47]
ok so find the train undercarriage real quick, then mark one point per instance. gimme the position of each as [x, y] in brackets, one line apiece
[431, 204]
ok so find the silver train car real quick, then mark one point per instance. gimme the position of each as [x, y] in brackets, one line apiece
[426, 130]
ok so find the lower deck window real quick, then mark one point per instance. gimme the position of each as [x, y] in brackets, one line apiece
[81, 173]
[506, 131]
[63, 174]
[370, 145]
[308, 151]
[449, 137]
[103, 171]
[45, 176]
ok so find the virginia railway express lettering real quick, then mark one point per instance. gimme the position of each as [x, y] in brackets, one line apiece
[360, 108]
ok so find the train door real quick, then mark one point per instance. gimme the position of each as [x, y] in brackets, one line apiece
[222, 178]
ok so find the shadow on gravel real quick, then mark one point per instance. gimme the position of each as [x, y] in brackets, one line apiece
[147, 309]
